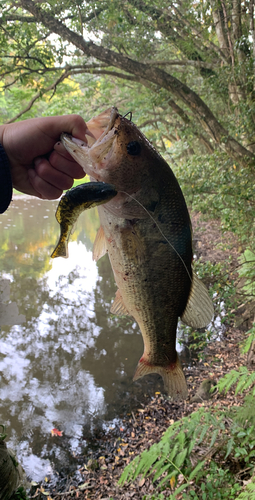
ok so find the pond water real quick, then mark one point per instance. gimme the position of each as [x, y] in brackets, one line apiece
[69, 364]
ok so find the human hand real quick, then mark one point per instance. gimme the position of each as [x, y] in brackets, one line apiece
[41, 166]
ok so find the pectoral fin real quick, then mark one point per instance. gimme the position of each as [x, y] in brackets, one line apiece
[199, 309]
[118, 306]
[99, 247]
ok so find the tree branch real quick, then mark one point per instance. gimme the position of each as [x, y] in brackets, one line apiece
[183, 62]
[38, 95]
[155, 75]
[23, 19]
[166, 24]
[212, 45]
[252, 30]
[231, 50]
[31, 19]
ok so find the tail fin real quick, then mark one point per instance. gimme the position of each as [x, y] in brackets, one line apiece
[173, 377]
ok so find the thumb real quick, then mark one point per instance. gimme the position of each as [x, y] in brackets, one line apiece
[72, 124]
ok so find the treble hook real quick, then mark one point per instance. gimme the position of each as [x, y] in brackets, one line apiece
[128, 113]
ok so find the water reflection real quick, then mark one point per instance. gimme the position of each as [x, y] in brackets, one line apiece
[70, 364]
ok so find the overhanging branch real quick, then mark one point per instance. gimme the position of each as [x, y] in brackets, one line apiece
[39, 94]
[155, 75]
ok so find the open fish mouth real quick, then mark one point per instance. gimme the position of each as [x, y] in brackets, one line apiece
[113, 116]
[83, 151]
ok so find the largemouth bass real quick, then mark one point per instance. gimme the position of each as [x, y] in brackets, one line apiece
[146, 231]
[73, 203]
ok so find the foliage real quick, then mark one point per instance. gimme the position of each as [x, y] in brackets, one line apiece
[249, 492]
[219, 277]
[248, 341]
[195, 64]
[183, 457]
[213, 185]
[203, 455]
[220, 281]
[247, 271]
[241, 378]
[20, 494]
[3, 434]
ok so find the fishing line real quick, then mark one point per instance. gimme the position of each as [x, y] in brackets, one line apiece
[128, 113]
[160, 230]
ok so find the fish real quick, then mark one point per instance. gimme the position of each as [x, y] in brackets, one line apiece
[73, 203]
[146, 231]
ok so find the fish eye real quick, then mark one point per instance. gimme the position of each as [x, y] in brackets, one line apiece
[134, 148]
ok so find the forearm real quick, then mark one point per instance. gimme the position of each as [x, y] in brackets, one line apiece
[5, 181]
[2, 128]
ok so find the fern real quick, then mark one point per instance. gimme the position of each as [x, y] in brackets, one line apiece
[245, 384]
[242, 377]
[229, 447]
[175, 458]
[248, 342]
[203, 433]
[162, 470]
[245, 414]
[190, 451]
[247, 271]
[249, 491]
[186, 449]
[214, 437]
[231, 378]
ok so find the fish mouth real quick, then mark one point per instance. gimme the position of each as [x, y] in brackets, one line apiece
[92, 151]
[104, 143]
[113, 116]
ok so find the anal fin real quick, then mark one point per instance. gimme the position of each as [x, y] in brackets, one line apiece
[199, 309]
[118, 307]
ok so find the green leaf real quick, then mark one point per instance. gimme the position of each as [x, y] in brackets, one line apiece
[198, 467]
[229, 446]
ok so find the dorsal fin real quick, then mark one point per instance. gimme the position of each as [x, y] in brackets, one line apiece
[99, 247]
[199, 309]
[118, 307]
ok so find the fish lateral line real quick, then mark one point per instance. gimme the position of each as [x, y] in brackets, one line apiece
[160, 230]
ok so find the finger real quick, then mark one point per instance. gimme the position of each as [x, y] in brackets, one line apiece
[76, 126]
[60, 148]
[42, 188]
[72, 124]
[51, 175]
[66, 165]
